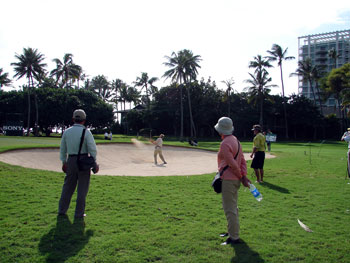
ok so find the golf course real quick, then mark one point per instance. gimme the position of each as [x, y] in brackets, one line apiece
[179, 218]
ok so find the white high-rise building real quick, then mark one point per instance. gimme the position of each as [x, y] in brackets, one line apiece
[317, 48]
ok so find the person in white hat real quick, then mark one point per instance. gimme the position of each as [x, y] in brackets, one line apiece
[69, 149]
[231, 161]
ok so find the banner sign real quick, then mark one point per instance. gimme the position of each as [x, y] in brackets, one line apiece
[271, 137]
[13, 129]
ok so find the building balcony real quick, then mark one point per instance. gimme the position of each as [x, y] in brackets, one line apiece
[321, 52]
[321, 60]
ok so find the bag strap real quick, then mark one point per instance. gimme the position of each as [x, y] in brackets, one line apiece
[81, 143]
[239, 147]
[223, 170]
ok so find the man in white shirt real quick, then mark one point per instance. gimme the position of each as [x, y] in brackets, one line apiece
[69, 149]
[158, 149]
[346, 137]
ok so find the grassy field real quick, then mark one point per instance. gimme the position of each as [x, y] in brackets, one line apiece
[179, 218]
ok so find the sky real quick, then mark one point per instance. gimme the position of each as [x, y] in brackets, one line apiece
[121, 39]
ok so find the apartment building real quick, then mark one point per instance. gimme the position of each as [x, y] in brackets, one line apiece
[317, 48]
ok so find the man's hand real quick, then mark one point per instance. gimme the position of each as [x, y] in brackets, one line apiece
[251, 155]
[245, 181]
[64, 167]
[96, 169]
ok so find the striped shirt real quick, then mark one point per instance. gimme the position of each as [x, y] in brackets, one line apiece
[71, 140]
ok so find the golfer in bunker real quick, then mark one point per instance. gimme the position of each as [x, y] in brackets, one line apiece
[233, 167]
[158, 149]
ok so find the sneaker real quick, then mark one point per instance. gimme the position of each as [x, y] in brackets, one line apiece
[230, 241]
[165, 163]
[224, 234]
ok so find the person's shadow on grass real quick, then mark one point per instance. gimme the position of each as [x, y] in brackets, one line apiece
[243, 253]
[65, 239]
[275, 187]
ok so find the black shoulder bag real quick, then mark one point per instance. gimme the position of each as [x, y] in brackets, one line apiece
[217, 181]
[85, 162]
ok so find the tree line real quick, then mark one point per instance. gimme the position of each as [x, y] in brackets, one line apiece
[165, 110]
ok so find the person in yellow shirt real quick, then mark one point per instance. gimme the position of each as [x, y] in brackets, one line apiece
[258, 153]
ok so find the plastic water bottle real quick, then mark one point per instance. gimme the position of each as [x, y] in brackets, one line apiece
[255, 192]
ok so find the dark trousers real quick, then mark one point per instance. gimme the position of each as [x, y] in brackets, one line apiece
[72, 178]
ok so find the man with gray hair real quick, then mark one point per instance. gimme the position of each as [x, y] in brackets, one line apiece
[69, 149]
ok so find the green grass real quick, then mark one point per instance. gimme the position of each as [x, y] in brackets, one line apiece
[178, 218]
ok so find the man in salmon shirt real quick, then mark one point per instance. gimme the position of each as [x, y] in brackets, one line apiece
[232, 177]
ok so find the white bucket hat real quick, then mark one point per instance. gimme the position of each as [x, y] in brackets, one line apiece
[224, 126]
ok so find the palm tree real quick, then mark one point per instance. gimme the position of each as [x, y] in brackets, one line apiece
[66, 71]
[133, 95]
[278, 54]
[259, 63]
[183, 69]
[177, 75]
[333, 55]
[101, 86]
[4, 80]
[123, 94]
[31, 65]
[80, 76]
[317, 74]
[191, 75]
[116, 85]
[146, 83]
[259, 90]
[229, 84]
[309, 73]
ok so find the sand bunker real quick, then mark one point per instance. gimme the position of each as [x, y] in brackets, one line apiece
[125, 159]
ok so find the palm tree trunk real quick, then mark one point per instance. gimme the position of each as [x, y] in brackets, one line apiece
[116, 103]
[29, 106]
[313, 92]
[284, 105]
[193, 130]
[319, 98]
[36, 131]
[182, 116]
[340, 115]
[147, 98]
[229, 104]
[261, 110]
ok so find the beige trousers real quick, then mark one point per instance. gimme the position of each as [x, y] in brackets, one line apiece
[229, 204]
[158, 150]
